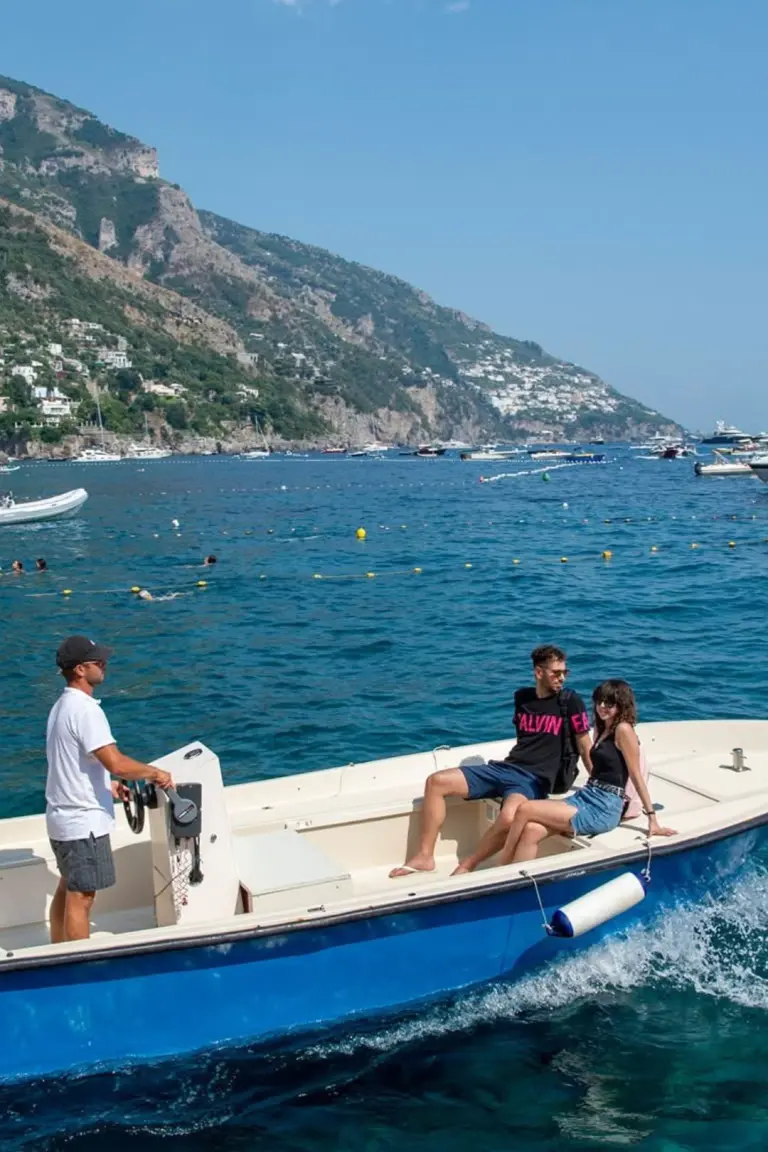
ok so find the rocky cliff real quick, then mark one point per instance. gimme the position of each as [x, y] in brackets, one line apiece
[358, 348]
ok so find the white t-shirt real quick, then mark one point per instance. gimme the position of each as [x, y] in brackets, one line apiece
[78, 791]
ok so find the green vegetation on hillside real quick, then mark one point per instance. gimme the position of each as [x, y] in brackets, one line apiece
[40, 288]
[118, 198]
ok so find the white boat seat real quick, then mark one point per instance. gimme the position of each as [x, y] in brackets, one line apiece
[19, 858]
[270, 863]
[26, 884]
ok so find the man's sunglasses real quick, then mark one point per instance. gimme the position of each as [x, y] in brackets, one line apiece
[99, 663]
[558, 671]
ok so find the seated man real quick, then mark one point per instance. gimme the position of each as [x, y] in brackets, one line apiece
[528, 773]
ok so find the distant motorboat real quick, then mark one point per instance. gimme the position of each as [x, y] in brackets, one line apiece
[96, 456]
[489, 454]
[722, 467]
[256, 454]
[146, 452]
[373, 449]
[50, 508]
[430, 450]
[759, 465]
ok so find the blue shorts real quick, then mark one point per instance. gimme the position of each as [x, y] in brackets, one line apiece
[499, 779]
[596, 810]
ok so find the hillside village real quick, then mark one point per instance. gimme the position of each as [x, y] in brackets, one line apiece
[47, 391]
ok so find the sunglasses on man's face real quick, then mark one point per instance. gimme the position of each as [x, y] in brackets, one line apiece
[557, 671]
[99, 663]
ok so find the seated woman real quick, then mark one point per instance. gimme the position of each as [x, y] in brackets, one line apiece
[597, 807]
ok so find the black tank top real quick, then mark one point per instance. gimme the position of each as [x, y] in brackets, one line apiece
[608, 764]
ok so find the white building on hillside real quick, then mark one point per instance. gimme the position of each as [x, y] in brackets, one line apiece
[114, 359]
[54, 405]
[158, 389]
[28, 371]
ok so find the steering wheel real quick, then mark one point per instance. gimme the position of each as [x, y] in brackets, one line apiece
[134, 806]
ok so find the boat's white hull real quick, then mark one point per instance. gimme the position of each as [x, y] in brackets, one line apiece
[52, 508]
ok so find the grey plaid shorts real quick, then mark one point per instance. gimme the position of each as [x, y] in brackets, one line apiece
[86, 865]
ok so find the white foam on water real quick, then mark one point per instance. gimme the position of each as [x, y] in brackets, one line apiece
[717, 947]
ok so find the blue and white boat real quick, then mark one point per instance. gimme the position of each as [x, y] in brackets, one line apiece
[274, 913]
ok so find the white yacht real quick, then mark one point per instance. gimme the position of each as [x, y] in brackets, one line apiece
[96, 456]
[726, 436]
[146, 452]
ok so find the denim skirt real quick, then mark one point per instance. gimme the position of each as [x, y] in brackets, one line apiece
[596, 810]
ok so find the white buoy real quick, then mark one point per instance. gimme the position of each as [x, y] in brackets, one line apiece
[174, 523]
[599, 905]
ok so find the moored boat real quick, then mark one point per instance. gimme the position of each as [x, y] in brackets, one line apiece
[273, 912]
[96, 456]
[759, 465]
[726, 436]
[49, 508]
[489, 454]
[722, 467]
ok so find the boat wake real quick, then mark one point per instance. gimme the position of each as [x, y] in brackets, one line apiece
[716, 948]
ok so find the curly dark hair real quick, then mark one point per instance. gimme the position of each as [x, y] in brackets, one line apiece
[617, 692]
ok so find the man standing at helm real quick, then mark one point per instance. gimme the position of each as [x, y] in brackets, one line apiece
[80, 796]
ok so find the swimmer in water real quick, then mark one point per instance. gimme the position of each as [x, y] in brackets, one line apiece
[17, 567]
[41, 564]
[209, 560]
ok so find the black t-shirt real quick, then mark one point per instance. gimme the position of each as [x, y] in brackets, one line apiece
[539, 726]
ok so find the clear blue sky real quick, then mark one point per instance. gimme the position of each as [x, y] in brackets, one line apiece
[590, 174]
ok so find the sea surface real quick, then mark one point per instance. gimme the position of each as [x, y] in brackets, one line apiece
[308, 648]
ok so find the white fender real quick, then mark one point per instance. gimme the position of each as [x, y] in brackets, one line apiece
[599, 905]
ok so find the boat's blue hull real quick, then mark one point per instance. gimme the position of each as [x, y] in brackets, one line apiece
[152, 1004]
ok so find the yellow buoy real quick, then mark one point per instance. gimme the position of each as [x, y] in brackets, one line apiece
[417, 570]
[361, 533]
[370, 575]
[607, 554]
[316, 576]
[731, 543]
[467, 565]
[202, 583]
[135, 588]
[515, 561]
[66, 591]
[694, 544]
[654, 548]
[563, 559]
[262, 576]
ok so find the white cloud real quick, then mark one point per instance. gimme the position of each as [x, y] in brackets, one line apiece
[457, 6]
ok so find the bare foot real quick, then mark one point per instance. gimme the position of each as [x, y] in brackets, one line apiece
[415, 864]
[464, 867]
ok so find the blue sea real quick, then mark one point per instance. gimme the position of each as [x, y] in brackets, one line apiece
[306, 648]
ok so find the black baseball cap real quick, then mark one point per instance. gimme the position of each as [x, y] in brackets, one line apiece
[79, 650]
